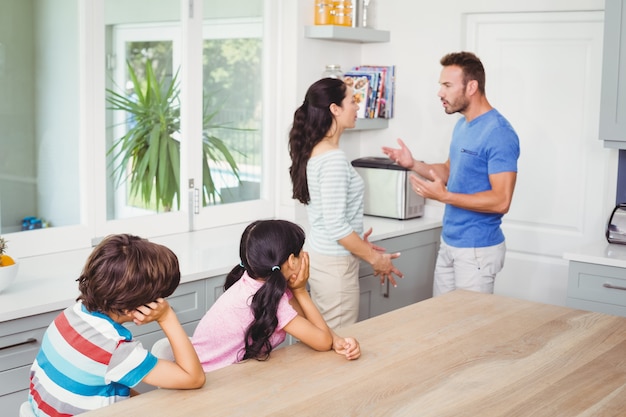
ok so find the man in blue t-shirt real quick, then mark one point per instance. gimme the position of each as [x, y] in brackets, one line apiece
[476, 183]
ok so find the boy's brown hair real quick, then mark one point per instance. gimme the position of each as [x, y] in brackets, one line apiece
[124, 272]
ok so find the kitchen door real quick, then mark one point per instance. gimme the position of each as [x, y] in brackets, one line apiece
[544, 74]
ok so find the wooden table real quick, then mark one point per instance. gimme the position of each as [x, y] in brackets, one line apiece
[461, 354]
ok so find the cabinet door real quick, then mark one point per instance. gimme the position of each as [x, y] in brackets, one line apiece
[20, 340]
[613, 99]
[189, 303]
[598, 288]
[416, 262]
[10, 403]
[371, 302]
[214, 288]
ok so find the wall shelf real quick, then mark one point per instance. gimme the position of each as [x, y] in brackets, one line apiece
[346, 34]
[370, 124]
[355, 35]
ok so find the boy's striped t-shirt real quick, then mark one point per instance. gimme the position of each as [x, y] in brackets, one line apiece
[86, 361]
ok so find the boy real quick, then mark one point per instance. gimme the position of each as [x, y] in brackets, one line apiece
[87, 358]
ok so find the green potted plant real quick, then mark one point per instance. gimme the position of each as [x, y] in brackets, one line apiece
[150, 144]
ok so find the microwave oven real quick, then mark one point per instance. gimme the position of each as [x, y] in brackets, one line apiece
[388, 191]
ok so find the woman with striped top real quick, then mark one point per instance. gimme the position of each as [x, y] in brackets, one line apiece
[324, 180]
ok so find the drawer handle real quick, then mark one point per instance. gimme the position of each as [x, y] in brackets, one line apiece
[613, 287]
[25, 342]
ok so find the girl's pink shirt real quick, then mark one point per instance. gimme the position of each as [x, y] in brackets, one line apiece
[219, 337]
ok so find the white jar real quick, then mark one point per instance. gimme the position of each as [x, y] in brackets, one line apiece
[333, 71]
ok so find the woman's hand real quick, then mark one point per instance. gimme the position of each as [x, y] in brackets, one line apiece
[366, 236]
[384, 268]
[347, 346]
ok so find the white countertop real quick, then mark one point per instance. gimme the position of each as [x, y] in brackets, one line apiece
[601, 253]
[48, 283]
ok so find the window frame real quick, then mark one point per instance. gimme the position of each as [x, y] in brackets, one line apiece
[188, 219]
[233, 213]
[93, 223]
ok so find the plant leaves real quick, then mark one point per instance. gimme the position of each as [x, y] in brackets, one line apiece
[150, 146]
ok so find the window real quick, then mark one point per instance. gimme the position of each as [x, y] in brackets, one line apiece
[143, 98]
[40, 117]
[233, 91]
[221, 164]
[63, 142]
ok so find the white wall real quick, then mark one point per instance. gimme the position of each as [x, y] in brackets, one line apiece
[418, 41]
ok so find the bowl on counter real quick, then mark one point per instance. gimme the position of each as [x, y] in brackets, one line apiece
[8, 274]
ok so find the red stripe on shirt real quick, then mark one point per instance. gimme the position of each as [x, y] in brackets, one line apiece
[79, 343]
[44, 406]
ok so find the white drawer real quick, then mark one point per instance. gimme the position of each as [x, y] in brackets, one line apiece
[597, 283]
[10, 403]
[20, 339]
[14, 380]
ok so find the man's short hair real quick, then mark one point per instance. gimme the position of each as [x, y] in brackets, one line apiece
[470, 64]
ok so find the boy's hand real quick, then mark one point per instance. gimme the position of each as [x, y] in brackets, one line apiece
[347, 346]
[154, 311]
[296, 282]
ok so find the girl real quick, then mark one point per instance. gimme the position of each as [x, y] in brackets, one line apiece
[325, 181]
[265, 298]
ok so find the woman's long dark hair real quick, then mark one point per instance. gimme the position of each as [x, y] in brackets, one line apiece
[264, 245]
[311, 122]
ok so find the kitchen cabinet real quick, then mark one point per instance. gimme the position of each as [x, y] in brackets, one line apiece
[599, 288]
[20, 340]
[613, 96]
[353, 35]
[189, 303]
[416, 262]
[214, 288]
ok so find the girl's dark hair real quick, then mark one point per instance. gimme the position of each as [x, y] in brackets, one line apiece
[470, 64]
[264, 245]
[124, 272]
[311, 122]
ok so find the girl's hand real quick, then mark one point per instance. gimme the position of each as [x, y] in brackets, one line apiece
[347, 346]
[154, 311]
[297, 282]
